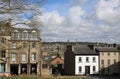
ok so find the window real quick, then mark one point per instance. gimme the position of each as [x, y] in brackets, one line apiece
[87, 59]
[2, 54]
[44, 66]
[94, 60]
[25, 35]
[108, 53]
[3, 40]
[114, 61]
[33, 45]
[14, 57]
[80, 59]
[2, 67]
[80, 69]
[108, 61]
[34, 35]
[33, 56]
[14, 45]
[24, 57]
[102, 62]
[15, 35]
[94, 68]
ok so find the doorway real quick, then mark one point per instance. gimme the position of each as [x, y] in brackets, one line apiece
[57, 69]
[33, 69]
[23, 68]
[14, 69]
[87, 70]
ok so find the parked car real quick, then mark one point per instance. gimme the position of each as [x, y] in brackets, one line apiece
[8, 74]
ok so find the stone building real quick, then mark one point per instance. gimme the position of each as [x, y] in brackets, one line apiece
[5, 30]
[20, 50]
[109, 60]
[52, 65]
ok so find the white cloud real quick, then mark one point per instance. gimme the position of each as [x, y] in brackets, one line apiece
[77, 2]
[52, 18]
[74, 15]
[74, 25]
[108, 11]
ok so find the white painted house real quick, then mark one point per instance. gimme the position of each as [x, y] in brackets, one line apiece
[86, 61]
[86, 64]
[81, 60]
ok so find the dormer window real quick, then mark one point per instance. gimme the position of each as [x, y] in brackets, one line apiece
[33, 31]
[34, 34]
[25, 31]
[25, 35]
[15, 34]
[15, 30]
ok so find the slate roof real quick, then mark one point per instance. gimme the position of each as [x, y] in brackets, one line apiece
[107, 49]
[49, 59]
[84, 50]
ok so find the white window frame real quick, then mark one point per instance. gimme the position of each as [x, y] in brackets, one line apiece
[24, 56]
[14, 57]
[87, 60]
[33, 56]
[80, 59]
[14, 45]
[94, 59]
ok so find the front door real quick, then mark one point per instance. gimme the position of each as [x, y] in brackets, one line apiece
[87, 70]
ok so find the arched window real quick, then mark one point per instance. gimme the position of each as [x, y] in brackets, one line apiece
[34, 35]
[25, 35]
[15, 35]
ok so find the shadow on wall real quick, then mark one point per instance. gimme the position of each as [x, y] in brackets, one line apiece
[112, 70]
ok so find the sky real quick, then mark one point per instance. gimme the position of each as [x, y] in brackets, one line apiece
[81, 20]
[78, 20]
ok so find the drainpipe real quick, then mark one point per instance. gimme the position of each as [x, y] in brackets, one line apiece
[28, 65]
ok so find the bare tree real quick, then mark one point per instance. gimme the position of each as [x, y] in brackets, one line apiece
[20, 11]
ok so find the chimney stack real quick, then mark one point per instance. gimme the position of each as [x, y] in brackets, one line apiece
[69, 47]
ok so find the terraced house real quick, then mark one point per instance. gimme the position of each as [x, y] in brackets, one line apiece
[109, 58]
[20, 50]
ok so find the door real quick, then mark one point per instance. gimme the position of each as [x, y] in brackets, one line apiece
[14, 69]
[23, 68]
[87, 70]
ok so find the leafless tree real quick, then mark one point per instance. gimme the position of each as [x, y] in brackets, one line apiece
[20, 11]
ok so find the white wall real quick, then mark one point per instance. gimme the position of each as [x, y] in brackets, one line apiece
[84, 63]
